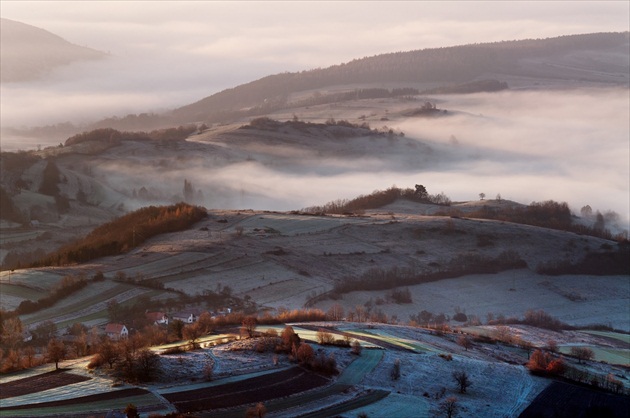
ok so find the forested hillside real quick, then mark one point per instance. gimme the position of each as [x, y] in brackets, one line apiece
[456, 64]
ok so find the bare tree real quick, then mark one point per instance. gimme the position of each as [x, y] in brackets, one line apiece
[56, 351]
[12, 333]
[305, 353]
[462, 379]
[147, 365]
[465, 342]
[552, 346]
[482, 196]
[449, 407]
[192, 333]
[582, 353]
[109, 353]
[249, 325]
[335, 313]
[324, 337]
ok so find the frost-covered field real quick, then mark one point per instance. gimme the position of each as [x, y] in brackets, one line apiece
[604, 300]
[501, 385]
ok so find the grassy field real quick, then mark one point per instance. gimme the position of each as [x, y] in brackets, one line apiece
[614, 335]
[104, 406]
[609, 355]
[88, 297]
[400, 342]
[11, 295]
[36, 279]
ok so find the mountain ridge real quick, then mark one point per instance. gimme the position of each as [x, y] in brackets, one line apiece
[29, 53]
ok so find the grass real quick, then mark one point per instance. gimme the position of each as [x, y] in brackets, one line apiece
[614, 335]
[21, 291]
[352, 375]
[32, 278]
[608, 355]
[400, 342]
[358, 402]
[56, 311]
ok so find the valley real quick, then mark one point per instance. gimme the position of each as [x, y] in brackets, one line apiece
[441, 232]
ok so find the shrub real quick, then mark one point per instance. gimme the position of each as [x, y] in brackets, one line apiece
[324, 337]
[582, 353]
[356, 348]
[395, 372]
[305, 353]
[96, 361]
[460, 317]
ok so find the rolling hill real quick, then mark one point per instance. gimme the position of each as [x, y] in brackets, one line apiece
[28, 52]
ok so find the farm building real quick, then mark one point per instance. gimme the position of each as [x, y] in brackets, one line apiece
[157, 318]
[188, 316]
[116, 331]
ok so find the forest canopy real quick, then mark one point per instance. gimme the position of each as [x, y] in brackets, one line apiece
[125, 233]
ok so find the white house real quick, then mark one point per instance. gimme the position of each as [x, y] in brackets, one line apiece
[116, 331]
[157, 318]
[188, 316]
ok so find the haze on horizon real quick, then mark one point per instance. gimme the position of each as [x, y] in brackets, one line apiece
[168, 54]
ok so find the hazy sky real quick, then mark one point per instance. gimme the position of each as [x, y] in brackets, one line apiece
[167, 54]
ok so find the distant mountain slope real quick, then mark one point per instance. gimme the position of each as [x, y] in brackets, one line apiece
[600, 57]
[28, 52]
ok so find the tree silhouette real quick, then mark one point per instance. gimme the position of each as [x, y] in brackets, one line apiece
[56, 352]
[463, 381]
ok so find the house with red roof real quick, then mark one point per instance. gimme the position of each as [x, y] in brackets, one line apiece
[157, 318]
[116, 331]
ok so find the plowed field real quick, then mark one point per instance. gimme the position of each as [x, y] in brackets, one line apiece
[257, 389]
[39, 383]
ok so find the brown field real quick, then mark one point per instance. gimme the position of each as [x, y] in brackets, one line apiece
[39, 383]
[117, 394]
[257, 389]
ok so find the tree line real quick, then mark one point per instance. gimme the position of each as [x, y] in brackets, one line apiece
[379, 279]
[125, 233]
[112, 136]
[378, 199]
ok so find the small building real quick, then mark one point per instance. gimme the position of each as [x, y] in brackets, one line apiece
[157, 318]
[188, 316]
[116, 331]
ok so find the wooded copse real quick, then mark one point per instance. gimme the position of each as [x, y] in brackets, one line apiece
[125, 233]
[378, 199]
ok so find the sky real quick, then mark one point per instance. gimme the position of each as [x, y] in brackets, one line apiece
[167, 54]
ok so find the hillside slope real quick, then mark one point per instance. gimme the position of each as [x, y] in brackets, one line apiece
[28, 53]
[288, 260]
[593, 58]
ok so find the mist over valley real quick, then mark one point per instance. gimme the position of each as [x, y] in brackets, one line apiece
[442, 230]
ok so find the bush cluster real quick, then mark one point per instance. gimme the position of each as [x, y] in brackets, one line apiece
[377, 199]
[113, 137]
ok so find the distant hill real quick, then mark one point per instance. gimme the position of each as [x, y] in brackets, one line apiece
[553, 58]
[28, 53]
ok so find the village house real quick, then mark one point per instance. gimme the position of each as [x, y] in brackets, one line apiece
[157, 318]
[187, 316]
[116, 331]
